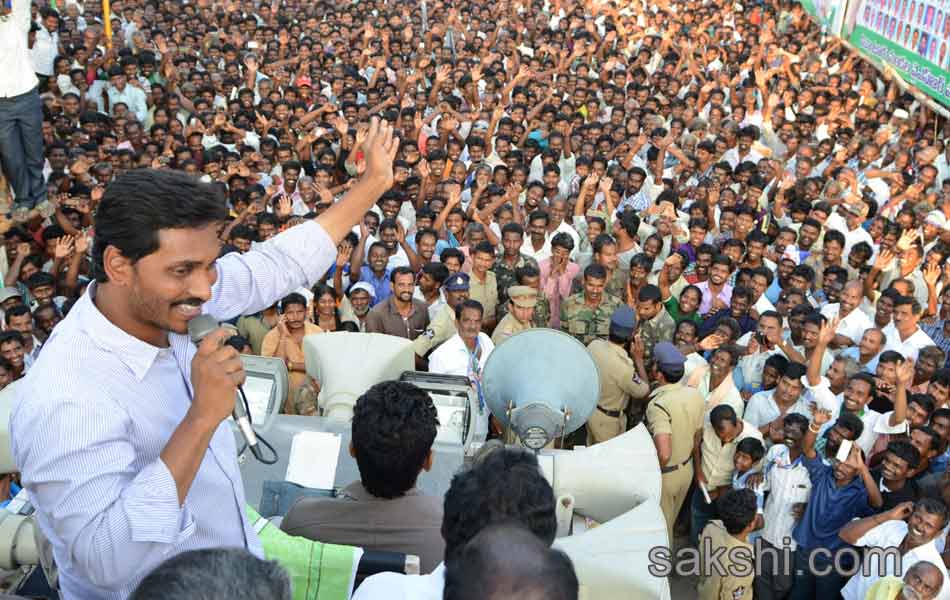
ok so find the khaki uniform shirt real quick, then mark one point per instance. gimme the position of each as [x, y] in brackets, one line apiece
[254, 329]
[507, 327]
[585, 323]
[676, 410]
[485, 292]
[736, 584]
[441, 328]
[618, 376]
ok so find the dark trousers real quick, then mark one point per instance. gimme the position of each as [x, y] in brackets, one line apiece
[21, 147]
[700, 514]
[774, 581]
[810, 586]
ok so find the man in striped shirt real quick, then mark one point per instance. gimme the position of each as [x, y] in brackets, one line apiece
[119, 428]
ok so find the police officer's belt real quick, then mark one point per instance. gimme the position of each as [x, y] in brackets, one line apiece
[610, 413]
[671, 468]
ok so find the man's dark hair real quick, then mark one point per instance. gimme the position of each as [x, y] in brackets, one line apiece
[215, 574]
[924, 401]
[926, 429]
[736, 509]
[508, 561]
[452, 253]
[795, 420]
[852, 423]
[649, 293]
[908, 301]
[868, 379]
[805, 272]
[722, 413]
[17, 310]
[437, 271]
[905, 451]
[401, 271]
[563, 240]
[833, 235]
[794, 371]
[394, 426]
[484, 247]
[469, 304]
[504, 485]
[292, 298]
[721, 259]
[595, 271]
[11, 336]
[512, 228]
[140, 203]
[764, 273]
[891, 356]
[776, 361]
[934, 507]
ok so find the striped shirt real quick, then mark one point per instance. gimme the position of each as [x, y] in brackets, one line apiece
[93, 414]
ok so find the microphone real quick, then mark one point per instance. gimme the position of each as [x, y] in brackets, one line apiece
[198, 329]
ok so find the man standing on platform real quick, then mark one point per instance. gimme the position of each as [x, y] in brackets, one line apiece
[21, 111]
[128, 458]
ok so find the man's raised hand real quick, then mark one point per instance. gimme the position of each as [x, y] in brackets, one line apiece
[380, 148]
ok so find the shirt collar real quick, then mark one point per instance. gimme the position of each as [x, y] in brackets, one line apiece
[137, 355]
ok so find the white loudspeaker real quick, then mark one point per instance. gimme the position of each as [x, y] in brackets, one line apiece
[7, 395]
[346, 364]
[612, 560]
[608, 479]
[617, 484]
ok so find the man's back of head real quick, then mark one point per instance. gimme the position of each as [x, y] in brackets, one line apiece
[507, 561]
[506, 485]
[394, 426]
[215, 574]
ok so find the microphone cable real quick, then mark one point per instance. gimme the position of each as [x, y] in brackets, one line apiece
[255, 450]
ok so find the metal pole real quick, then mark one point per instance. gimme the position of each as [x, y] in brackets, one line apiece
[425, 16]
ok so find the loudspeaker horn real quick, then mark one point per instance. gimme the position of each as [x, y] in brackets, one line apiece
[542, 384]
[346, 364]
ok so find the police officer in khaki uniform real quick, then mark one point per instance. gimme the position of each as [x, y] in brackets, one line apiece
[674, 418]
[442, 327]
[519, 313]
[620, 380]
[733, 581]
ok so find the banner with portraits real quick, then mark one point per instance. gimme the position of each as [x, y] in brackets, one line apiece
[912, 36]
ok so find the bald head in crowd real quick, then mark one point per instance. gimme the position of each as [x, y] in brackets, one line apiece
[506, 562]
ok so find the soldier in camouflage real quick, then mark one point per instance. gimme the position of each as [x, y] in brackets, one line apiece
[605, 255]
[507, 265]
[655, 324]
[586, 316]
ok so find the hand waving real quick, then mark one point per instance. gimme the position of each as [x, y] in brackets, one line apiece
[380, 148]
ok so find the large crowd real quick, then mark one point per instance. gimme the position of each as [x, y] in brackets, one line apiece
[745, 222]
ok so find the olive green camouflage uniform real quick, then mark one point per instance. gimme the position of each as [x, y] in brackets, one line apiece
[542, 311]
[587, 324]
[617, 286]
[505, 278]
